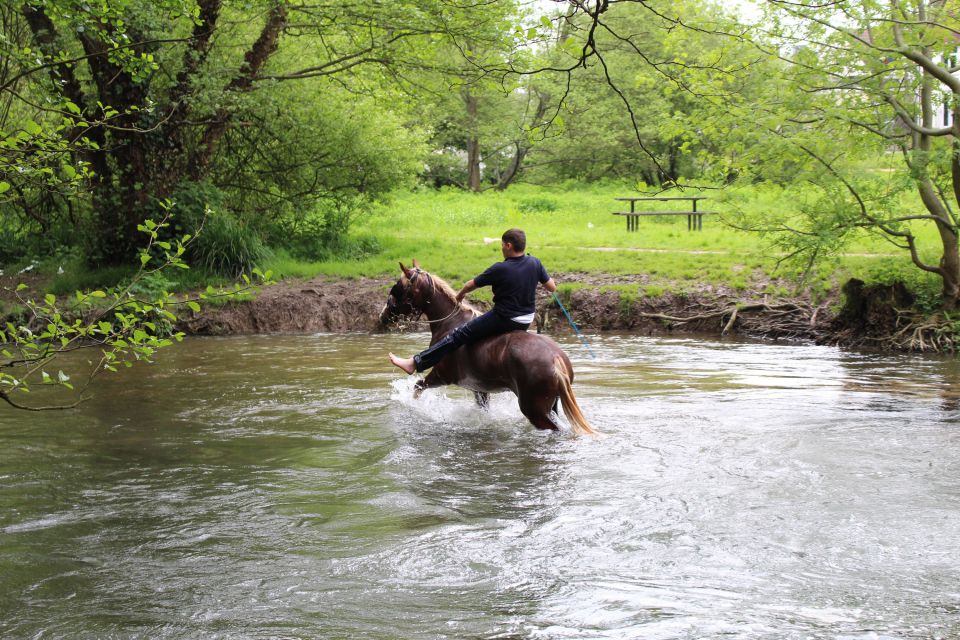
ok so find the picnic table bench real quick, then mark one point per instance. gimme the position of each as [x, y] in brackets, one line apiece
[694, 217]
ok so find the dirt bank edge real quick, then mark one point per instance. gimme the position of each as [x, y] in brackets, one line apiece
[599, 303]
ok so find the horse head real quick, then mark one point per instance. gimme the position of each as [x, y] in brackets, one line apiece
[409, 295]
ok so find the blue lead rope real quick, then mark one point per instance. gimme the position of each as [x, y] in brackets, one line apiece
[574, 325]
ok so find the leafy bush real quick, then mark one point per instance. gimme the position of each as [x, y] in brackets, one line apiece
[192, 200]
[321, 248]
[152, 286]
[533, 205]
[27, 242]
[323, 234]
[226, 247]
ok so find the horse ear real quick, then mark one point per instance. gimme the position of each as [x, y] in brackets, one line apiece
[406, 272]
[416, 265]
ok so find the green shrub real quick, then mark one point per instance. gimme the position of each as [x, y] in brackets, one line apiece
[226, 247]
[223, 244]
[192, 200]
[28, 242]
[77, 276]
[152, 286]
[537, 204]
[14, 312]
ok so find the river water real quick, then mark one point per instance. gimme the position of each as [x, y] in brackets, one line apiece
[290, 487]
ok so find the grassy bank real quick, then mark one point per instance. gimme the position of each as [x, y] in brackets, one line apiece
[570, 227]
[455, 234]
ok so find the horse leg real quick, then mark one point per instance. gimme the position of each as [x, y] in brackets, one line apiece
[483, 399]
[430, 381]
[537, 411]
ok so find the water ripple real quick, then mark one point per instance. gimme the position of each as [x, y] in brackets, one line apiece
[293, 487]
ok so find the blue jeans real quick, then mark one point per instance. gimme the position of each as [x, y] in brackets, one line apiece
[489, 324]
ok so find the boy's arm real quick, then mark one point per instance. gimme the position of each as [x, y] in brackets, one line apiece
[467, 288]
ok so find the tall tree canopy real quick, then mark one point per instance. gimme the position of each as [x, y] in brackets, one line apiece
[866, 110]
[135, 98]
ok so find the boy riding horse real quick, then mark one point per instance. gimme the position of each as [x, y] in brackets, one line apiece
[514, 283]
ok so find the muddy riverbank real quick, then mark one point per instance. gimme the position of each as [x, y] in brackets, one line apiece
[599, 303]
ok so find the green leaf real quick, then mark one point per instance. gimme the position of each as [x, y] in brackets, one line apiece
[50, 299]
[194, 306]
[4, 186]
[98, 294]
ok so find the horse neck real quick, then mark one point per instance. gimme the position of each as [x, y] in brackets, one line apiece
[440, 329]
[438, 307]
[443, 314]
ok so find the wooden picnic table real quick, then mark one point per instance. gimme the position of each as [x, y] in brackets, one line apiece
[694, 217]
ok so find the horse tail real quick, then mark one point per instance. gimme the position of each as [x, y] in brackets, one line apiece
[570, 406]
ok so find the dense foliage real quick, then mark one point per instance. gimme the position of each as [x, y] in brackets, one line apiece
[866, 111]
[277, 110]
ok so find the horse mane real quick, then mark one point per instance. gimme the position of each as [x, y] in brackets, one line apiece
[448, 291]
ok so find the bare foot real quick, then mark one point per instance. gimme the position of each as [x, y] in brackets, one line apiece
[407, 364]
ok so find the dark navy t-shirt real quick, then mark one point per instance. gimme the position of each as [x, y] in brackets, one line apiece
[514, 283]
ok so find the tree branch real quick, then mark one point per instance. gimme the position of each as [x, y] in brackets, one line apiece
[254, 61]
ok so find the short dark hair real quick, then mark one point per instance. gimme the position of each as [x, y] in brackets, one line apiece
[517, 238]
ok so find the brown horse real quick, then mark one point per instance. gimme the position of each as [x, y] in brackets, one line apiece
[534, 367]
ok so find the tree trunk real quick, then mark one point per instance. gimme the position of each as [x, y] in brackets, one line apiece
[473, 143]
[514, 169]
[950, 264]
[949, 268]
[253, 62]
[523, 146]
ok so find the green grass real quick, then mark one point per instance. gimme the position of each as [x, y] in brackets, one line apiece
[456, 235]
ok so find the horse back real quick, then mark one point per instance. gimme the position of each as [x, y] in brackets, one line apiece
[508, 361]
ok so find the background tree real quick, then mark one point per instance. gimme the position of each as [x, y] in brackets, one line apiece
[633, 81]
[867, 114]
[138, 99]
[482, 116]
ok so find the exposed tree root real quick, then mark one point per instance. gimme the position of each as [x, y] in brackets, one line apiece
[913, 332]
[794, 320]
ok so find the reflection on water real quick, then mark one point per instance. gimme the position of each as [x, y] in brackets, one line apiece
[291, 487]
